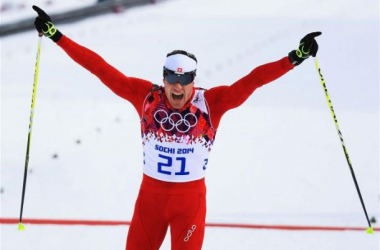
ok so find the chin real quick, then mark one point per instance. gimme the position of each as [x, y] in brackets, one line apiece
[176, 105]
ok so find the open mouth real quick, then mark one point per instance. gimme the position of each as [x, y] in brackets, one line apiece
[177, 97]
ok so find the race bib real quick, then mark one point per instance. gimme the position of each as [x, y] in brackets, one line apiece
[176, 143]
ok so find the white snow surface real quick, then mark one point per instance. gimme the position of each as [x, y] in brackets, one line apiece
[277, 159]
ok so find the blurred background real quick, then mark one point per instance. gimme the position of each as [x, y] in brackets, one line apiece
[277, 159]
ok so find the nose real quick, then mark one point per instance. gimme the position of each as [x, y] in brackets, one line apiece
[177, 85]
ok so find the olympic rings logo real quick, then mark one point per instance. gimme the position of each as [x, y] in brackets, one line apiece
[168, 124]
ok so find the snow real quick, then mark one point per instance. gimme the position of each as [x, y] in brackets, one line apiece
[277, 159]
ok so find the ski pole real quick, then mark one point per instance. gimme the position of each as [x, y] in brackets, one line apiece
[369, 229]
[21, 227]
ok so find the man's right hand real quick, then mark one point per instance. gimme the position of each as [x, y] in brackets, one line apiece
[45, 26]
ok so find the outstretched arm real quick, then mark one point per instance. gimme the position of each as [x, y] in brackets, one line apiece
[129, 88]
[223, 98]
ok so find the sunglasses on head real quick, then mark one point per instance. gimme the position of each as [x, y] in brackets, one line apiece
[184, 79]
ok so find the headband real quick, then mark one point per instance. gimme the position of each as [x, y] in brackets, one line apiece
[180, 64]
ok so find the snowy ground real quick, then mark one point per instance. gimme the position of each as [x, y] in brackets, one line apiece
[277, 159]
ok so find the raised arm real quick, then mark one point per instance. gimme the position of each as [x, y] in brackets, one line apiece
[129, 88]
[223, 98]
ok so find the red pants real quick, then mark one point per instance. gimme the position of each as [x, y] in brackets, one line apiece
[182, 206]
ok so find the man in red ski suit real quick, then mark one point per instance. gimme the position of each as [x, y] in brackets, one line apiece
[178, 127]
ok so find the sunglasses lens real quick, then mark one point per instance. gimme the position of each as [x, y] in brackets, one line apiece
[172, 78]
[184, 79]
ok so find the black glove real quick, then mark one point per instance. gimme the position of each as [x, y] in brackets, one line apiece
[308, 47]
[45, 26]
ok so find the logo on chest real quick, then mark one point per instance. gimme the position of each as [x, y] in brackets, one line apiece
[182, 123]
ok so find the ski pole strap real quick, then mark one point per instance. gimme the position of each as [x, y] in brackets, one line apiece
[301, 53]
[52, 32]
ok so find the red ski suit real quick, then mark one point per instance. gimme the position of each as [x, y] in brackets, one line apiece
[182, 205]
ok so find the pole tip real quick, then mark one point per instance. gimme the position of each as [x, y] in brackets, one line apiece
[21, 226]
[370, 230]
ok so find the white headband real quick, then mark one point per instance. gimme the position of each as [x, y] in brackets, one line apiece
[180, 64]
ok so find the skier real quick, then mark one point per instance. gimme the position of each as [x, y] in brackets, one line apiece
[178, 127]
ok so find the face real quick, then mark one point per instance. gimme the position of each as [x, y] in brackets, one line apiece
[177, 94]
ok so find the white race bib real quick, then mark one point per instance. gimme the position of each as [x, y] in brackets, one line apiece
[176, 143]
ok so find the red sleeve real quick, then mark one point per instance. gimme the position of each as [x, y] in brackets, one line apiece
[223, 98]
[132, 89]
